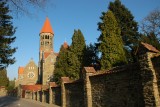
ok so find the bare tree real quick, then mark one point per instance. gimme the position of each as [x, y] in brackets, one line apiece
[151, 23]
[19, 7]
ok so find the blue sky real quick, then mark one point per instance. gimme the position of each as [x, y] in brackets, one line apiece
[65, 16]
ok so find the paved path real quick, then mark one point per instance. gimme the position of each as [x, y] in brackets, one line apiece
[6, 101]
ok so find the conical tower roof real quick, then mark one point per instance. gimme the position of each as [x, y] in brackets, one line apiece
[47, 28]
[65, 45]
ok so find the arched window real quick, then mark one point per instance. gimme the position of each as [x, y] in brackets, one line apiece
[45, 36]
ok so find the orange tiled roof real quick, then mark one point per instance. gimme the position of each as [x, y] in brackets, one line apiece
[20, 70]
[46, 54]
[32, 87]
[47, 28]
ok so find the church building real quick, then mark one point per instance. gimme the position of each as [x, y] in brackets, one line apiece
[32, 74]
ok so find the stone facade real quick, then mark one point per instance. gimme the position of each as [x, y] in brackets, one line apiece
[31, 74]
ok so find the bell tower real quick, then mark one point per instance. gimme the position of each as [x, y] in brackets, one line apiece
[46, 38]
[45, 49]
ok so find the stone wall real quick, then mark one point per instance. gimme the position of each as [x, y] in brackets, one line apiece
[74, 94]
[56, 95]
[134, 85]
[40, 96]
[156, 64]
[46, 96]
[149, 80]
[117, 89]
[3, 91]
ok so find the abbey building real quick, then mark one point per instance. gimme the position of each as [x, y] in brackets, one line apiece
[42, 72]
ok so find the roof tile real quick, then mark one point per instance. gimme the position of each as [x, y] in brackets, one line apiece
[47, 28]
[20, 70]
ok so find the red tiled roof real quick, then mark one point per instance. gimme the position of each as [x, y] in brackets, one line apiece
[46, 54]
[150, 47]
[32, 87]
[65, 79]
[47, 28]
[20, 70]
[53, 84]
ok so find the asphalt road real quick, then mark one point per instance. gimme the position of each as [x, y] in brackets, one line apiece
[6, 101]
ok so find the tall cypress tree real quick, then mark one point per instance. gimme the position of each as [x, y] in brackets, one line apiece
[61, 66]
[74, 66]
[110, 42]
[128, 26]
[78, 46]
[6, 36]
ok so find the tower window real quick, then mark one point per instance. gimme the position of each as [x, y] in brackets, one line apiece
[45, 36]
[46, 43]
[41, 43]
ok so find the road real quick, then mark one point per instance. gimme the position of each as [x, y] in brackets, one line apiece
[6, 101]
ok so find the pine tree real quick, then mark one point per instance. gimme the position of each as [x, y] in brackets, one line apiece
[128, 27]
[6, 37]
[110, 42]
[78, 47]
[61, 66]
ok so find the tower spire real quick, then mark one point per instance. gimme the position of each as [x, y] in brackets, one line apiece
[47, 28]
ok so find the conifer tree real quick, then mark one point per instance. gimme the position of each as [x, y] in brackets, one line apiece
[128, 27]
[74, 66]
[78, 47]
[70, 60]
[110, 42]
[90, 55]
[6, 37]
[4, 81]
[61, 66]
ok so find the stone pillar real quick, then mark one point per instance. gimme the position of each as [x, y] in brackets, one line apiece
[51, 84]
[155, 86]
[19, 93]
[149, 80]
[38, 98]
[87, 71]
[43, 96]
[63, 91]
[33, 95]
